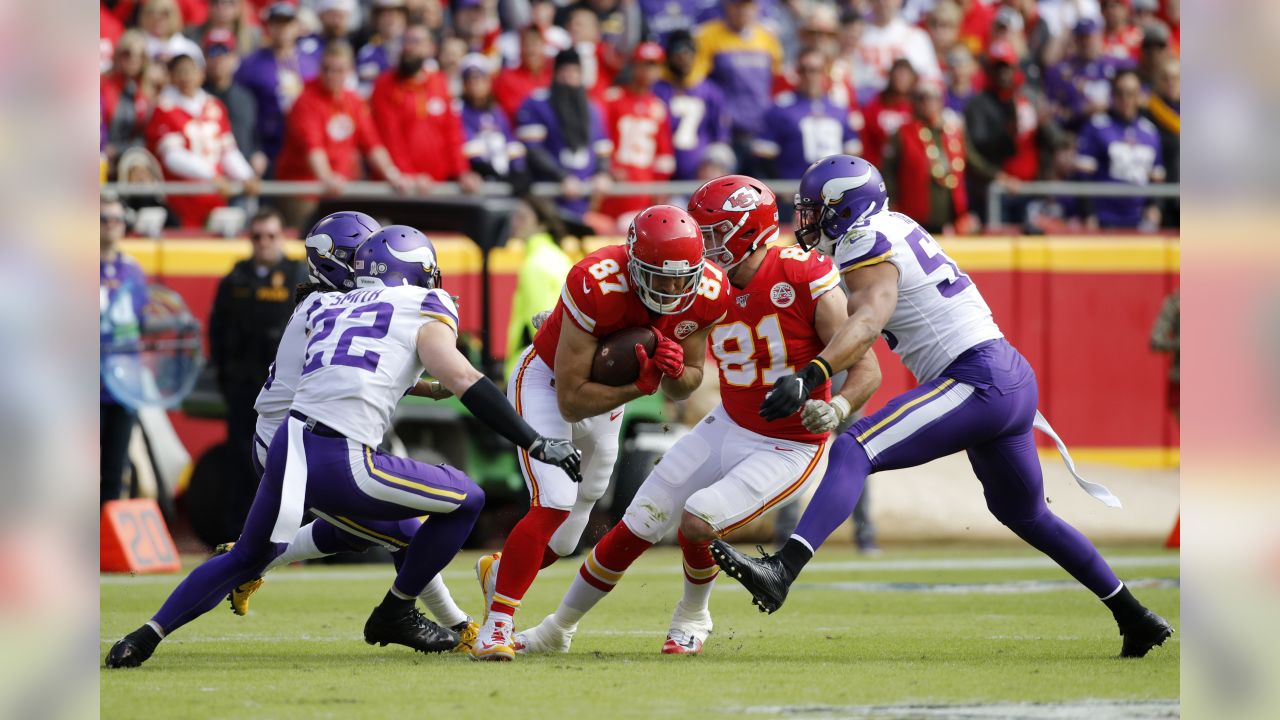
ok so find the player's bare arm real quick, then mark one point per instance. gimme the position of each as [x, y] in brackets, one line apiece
[438, 351]
[873, 295]
[695, 356]
[830, 316]
[578, 397]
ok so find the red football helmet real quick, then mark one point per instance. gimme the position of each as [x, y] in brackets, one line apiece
[664, 251]
[736, 215]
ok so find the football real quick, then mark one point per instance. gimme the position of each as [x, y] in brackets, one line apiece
[615, 361]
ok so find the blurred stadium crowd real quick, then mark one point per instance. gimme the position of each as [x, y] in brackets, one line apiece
[948, 96]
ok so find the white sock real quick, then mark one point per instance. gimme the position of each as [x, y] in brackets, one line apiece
[578, 601]
[440, 603]
[303, 547]
[696, 596]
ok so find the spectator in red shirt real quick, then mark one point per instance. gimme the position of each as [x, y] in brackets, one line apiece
[327, 130]
[513, 85]
[415, 118]
[641, 131]
[924, 165]
[888, 111]
[1120, 36]
[190, 134]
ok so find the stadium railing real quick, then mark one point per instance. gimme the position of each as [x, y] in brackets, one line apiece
[1066, 188]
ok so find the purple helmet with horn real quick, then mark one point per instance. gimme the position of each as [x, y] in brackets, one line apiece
[397, 255]
[331, 246]
[836, 193]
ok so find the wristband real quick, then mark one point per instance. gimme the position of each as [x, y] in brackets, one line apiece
[842, 407]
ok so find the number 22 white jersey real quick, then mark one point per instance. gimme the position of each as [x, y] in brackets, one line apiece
[362, 356]
[940, 313]
[276, 396]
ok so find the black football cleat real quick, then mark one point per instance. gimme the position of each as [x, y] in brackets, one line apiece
[766, 578]
[133, 649]
[1141, 635]
[410, 628]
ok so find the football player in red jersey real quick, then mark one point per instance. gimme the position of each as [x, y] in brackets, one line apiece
[733, 466]
[658, 279]
[641, 131]
[190, 134]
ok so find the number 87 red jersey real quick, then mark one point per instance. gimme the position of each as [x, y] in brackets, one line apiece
[599, 297]
[769, 333]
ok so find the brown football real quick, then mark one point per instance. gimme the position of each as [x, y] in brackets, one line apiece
[615, 361]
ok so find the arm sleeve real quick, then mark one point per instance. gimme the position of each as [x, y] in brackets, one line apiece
[491, 407]
[182, 162]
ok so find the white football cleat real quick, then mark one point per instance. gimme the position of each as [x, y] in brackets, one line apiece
[548, 636]
[688, 632]
[487, 576]
[494, 641]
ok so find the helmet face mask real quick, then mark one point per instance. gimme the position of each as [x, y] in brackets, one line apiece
[736, 215]
[665, 259]
[807, 223]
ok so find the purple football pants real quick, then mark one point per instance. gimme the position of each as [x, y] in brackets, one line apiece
[984, 403]
[349, 483]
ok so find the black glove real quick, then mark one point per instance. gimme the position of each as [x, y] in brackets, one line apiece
[561, 453]
[790, 391]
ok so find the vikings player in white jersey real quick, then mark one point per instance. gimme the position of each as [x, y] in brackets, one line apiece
[331, 244]
[976, 394]
[364, 351]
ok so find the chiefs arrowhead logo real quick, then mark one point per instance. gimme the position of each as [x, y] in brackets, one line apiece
[743, 199]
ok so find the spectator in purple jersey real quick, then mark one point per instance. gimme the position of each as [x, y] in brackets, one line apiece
[698, 120]
[491, 147]
[122, 293]
[275, 74]
[663, 17]
[1121, 146]
[806, 125]
[1080, 85]
[382, 50]
[564, 136]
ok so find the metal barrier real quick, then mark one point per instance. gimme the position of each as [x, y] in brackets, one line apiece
[277, 188]
[1044, 188]
[784, 189]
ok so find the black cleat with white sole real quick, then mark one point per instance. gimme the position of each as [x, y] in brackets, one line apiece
[766, 578]
[409, 628]
[1148, 631]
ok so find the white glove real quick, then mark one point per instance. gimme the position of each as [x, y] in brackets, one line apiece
[540, 318]
[823, 417]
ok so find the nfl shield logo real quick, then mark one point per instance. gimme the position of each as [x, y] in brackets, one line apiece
[742, 300]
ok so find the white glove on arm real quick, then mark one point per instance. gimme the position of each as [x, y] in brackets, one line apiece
[823, 417]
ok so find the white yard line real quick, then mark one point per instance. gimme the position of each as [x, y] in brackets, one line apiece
[569, 566]
[1092, 709]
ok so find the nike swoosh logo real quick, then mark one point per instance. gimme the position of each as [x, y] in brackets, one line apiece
[782, 449]
[586, 289]
[615, 415]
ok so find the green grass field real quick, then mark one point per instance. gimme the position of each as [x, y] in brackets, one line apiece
[902, 635]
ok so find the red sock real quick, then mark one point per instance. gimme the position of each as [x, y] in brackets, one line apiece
[549, 557]
[612, 556]
[521, 555]
[699, 567]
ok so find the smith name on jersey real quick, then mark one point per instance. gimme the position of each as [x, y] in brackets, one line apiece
[940, 312]
[362, 356]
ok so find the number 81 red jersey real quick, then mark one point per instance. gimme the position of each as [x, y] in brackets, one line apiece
[769, 333]
[599, 297]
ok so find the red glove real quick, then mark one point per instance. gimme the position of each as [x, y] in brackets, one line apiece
[667, 359]
[669, 356]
